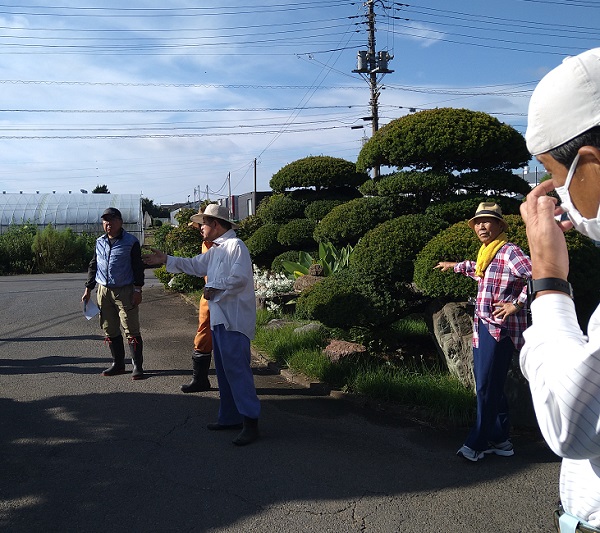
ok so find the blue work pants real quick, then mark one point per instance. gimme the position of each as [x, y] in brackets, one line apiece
[491, 361]
[238, 399]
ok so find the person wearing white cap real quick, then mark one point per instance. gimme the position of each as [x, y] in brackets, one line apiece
[229, 290]
[560, 362]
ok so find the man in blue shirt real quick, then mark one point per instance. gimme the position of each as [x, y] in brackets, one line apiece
[118, 270]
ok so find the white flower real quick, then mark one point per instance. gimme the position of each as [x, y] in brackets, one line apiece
[268, 284]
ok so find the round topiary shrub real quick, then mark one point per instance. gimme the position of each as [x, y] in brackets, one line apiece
[280, 208]
[318, 172]
[388, 251]
[263, 245]
[297, 234]
[347, 223]
[347, 299]
[317, 210]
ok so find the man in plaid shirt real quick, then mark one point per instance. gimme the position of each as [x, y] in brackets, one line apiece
[501, 272]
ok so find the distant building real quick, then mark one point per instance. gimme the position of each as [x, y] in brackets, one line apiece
[245, 204]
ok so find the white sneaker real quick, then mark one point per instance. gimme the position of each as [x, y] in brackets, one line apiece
[470, 454]
[505, 449]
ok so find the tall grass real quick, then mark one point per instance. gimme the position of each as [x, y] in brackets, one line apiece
[411, 384]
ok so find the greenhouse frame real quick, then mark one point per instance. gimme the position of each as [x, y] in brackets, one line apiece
[80, 212]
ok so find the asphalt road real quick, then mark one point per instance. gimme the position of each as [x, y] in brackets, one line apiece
[80, 452]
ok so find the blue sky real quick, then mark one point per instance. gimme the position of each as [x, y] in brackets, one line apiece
[168, 99]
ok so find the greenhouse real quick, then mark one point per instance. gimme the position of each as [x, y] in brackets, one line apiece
[80, 212]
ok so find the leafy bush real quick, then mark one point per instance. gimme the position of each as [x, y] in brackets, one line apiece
[184, 214]
[263, 245]
[248, 226]
[388, 251]
[16, 255]
[347, 223]
[162, 275]
[160, 238]
[61, 251]
[184, 241]
[279, 209]
[183, 283]
[297, 234]
[317, 210]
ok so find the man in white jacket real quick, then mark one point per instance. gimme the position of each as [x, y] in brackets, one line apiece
[229, 290]
[560, 362]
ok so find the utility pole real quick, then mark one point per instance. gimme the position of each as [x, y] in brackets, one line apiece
[230, 207]
[254, 199]
[370, 65]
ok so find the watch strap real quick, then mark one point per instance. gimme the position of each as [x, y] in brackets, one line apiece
[548, 284]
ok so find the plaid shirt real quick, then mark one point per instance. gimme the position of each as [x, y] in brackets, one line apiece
[505, 280]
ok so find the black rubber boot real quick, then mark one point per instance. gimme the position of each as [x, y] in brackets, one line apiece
[136, 346]
[200, 381]
[249, 433]
[117, 350]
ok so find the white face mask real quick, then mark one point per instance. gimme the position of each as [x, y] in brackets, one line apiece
[585, 226]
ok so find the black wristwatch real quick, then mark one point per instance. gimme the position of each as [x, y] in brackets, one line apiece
[547, 284]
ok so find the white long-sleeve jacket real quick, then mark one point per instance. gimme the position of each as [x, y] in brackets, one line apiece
[228, 267]
[563, 369]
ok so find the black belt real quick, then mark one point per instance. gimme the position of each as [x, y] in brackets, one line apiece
[581, 528]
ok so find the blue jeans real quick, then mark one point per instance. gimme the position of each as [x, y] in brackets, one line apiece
[491, 362]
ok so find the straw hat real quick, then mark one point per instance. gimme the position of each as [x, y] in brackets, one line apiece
[488, 209]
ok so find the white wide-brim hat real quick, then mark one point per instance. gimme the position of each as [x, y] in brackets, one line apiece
[214, 211]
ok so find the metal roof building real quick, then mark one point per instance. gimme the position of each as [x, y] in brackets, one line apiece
[80, 212]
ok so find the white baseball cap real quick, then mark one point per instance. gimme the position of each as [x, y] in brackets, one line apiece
[565, 103]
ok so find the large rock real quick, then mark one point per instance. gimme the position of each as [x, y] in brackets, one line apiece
[452, 327]
[306, 281]
[337, 350]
